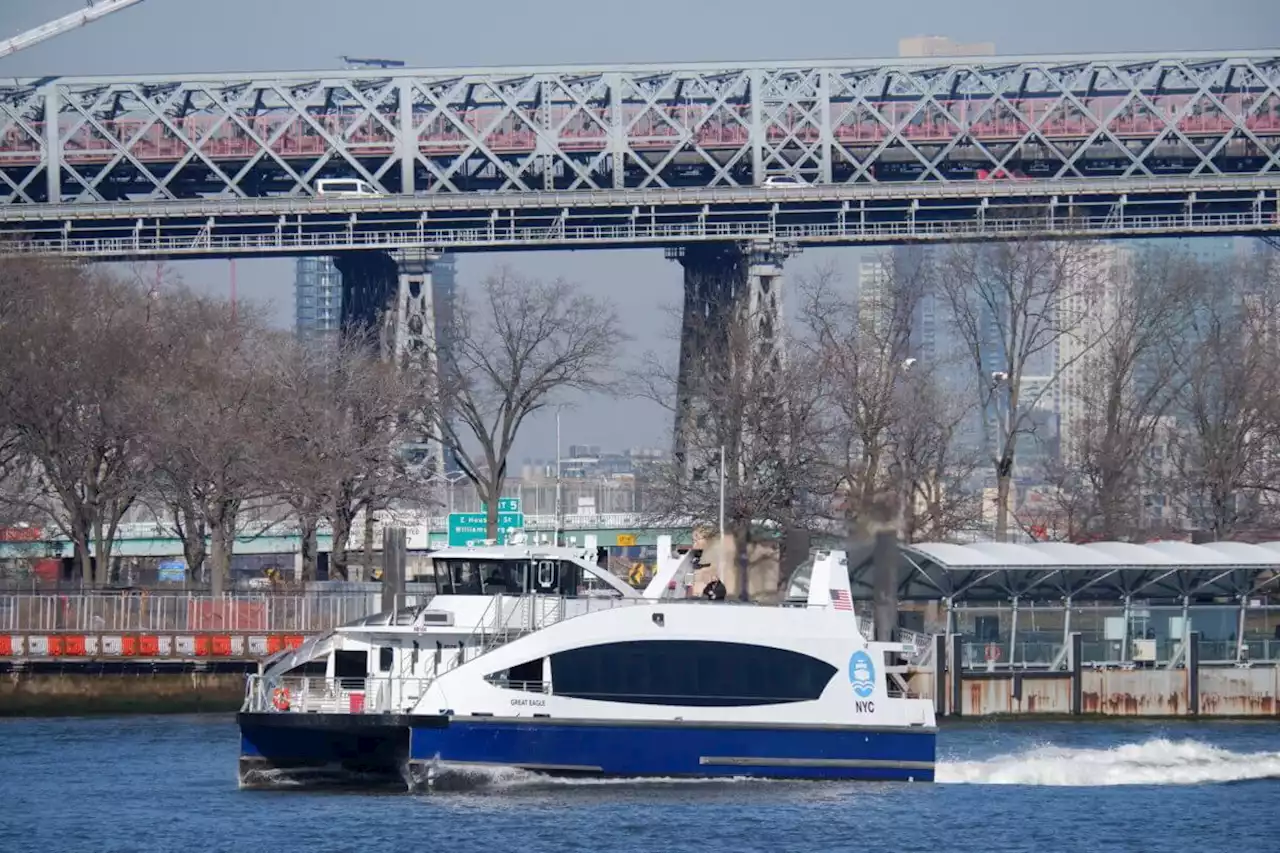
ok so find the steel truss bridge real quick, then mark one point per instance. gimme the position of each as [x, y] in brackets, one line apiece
[642, 155]
[539, 129]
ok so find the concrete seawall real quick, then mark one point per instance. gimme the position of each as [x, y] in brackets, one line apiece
[70, 690]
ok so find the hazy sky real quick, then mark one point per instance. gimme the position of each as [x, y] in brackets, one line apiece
[160, 36]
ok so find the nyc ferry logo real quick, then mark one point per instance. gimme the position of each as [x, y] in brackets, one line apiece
[862, 677]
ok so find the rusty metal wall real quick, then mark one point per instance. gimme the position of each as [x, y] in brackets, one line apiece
[1224, 692]
[1240, 692]
[1135, 692]
[985, 696]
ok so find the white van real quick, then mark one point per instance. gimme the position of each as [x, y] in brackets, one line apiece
[346, 188]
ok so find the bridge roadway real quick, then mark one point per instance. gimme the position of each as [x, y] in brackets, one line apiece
[830, 214]
[640, 155]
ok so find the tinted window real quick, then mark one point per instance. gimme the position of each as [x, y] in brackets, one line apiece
[687, 672]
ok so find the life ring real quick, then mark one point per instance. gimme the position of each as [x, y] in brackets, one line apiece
[993, 652]
[280, 698]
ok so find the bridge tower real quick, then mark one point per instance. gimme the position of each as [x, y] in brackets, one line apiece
[394, 296]
[732, 324]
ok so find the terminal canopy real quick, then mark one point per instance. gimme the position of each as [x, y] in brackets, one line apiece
[987, 572]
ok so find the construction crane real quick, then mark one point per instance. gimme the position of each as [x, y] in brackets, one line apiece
[92, 12]
[353, 62]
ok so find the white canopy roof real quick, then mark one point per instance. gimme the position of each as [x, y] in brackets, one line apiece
[1098, 555]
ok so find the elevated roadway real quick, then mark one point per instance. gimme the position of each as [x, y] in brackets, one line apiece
[830, 214]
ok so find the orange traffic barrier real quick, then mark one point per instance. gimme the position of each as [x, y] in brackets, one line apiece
[73, 645]
[275, 643]
[6, 645]
[148, 646]
[294, 640]
[203, 645]
[129, 646]
[56, 646]
[222, 646]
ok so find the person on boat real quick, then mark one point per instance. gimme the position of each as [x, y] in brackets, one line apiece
[714, 590]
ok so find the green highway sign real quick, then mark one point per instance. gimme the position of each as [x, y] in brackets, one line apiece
[468, 527]
[504, 505]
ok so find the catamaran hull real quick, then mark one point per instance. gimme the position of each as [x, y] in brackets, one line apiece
[415, 747]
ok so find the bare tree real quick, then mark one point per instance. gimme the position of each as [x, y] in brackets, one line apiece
[931, 462]
[864, 347]
[341, 420]
[1229, 406]
[1127, 382]
[77, 352]
[209, 447]
[763, 412]
[1012, 304]
[512, 349]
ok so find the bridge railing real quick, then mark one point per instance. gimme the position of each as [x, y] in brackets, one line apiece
[165, 613]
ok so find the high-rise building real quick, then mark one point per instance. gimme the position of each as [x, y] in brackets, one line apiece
[1088, 309]
[318, 297]
[919, 46]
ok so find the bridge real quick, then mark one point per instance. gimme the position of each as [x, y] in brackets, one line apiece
[153, 540]
[683, 157]
[642, 155]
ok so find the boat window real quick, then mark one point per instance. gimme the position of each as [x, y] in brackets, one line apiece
[503, 577]
[689, 673]
[798, 586]
[312, 669]
[458, 577]
[481, 577]
[350, 664]
[525, 676]
[570, 578]
[386, 655]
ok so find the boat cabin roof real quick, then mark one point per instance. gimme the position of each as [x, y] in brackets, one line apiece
[517, 569]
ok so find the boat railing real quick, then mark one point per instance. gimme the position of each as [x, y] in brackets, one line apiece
[320, 695]
[504, 620]
[526, 686]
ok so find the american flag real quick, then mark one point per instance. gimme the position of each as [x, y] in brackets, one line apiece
[840, 599]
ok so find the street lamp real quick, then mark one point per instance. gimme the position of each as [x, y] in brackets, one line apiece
[1004, 425]
[556, 530]
[450, 479]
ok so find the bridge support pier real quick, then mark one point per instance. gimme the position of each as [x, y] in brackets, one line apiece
[392, 295]
[732, 321]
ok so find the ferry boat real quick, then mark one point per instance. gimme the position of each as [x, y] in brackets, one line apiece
[536, 658]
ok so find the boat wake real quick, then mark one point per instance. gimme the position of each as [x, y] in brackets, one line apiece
[1153, 762]
[458, 778]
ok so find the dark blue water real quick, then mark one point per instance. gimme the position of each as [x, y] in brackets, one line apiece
[151, 784]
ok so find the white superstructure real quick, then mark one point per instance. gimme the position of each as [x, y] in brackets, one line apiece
[526, 631]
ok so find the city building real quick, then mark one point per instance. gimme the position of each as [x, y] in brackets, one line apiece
[920, 46]
[1089, 310]
[318, 297]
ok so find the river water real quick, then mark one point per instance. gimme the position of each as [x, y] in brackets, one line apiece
[152, 784]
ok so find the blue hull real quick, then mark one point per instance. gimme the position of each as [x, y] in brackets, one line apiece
[683, 750]
[591, 748]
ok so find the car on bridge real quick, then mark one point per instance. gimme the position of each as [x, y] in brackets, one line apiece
[346, 188]
[783, 181]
